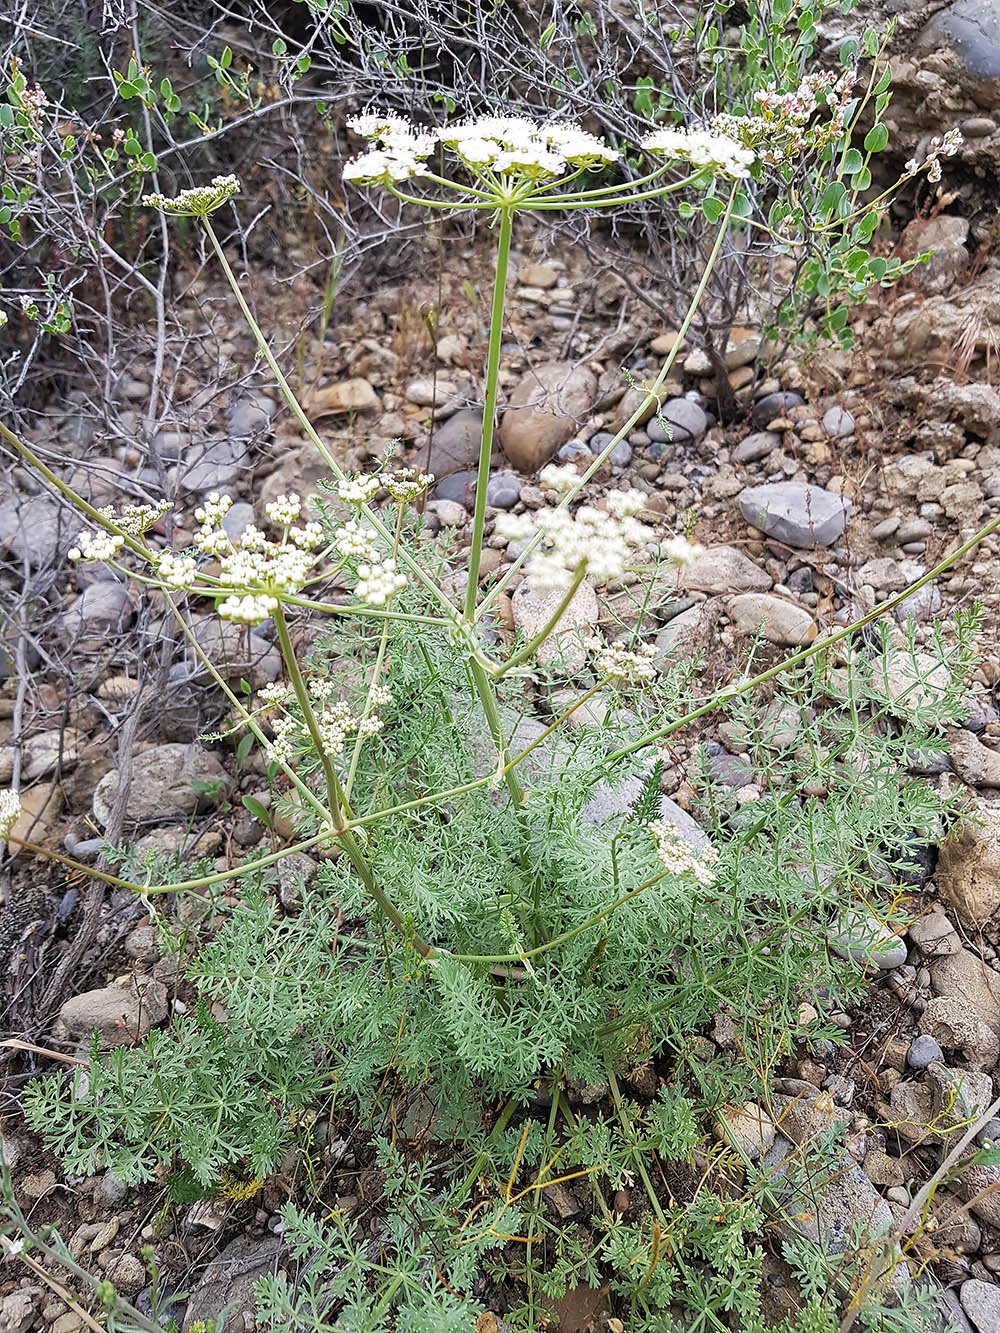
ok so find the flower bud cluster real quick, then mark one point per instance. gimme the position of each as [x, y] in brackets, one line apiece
[603, 541]
[702, 148]
[937, 148]
[621, 663]
[785, 124]
[134, 519]
[335, 721]
[197, 202]
[679, 857]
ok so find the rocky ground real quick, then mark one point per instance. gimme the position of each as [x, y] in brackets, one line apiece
[846, 477]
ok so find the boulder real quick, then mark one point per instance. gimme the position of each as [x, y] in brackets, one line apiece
[545, 411]
[798, 515]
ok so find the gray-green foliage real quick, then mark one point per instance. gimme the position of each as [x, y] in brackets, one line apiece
[327, 1000]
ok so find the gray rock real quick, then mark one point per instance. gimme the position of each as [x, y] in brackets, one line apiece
[212, 465]
[952, 1025]
[250, 414]
[978, 765]
[730, 769]
[103, 609]
[981, 1302]
[779, 621]
[684, 419]
[923, 1050]
[143, 944]
[802, 516]
[920, 606]
[566, 645]
[163, 784]
[238, 519]
[970, 980]
[572, 450]
[621, 454]
[545, 410]
[972, 28]
[607, 802]
[968, 869]
[450, 513]
[864, 938]
[35, 529]
[455, 443]
[723, 569]
[236, 651]
[756, 446]
[119, 1015]
[774, 405]
[503, 491]
[686, 633]
[838, 422]
[749, 1127]
[19, 1309]
[228, 1282]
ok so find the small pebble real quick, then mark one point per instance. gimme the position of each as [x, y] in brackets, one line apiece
[923, 1051]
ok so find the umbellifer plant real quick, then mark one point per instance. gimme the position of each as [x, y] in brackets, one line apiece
[507, 910]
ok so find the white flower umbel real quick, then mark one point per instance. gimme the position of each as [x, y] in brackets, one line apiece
[561, 479]
[621, 663]
[355, 541]
[378, 584]
[179, 571]
[95, 546]
[10, 810]
[273, 694]
[406, 484]
[359, 490]
[251, 609]
[399, 150]
[680, 551]
[604, 541]
[702, 148]
[197, 202]
[516, 146]
[284, 510]
[679, 857]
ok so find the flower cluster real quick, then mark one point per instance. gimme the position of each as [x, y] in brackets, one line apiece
[359, 490]
[3, 318]
[784, 124]
[399, 150]
[621, 663]
[406, 484]
[513, 145]
[379, 583]
[262, 570]
[601, 540]
[134, 520]
[33, 102]
[496, 147]
[936, 149]
[335, 721]
[679, 857]
[702, 148]
[10, 810]
[680, 551]
[197, 202]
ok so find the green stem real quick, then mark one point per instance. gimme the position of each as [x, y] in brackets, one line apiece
[484, 689]
[489, 407]
[308, 715]
[652, 394]
[532, 645]
[289, 396]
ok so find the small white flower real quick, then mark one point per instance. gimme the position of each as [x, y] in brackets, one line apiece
[679, 551]
[380, 696]
[215, 508]
[179, 571]
[306, 537]
[353, 540]
[10, 810]
[406, 484]
[679, 857]
[321, 689]
[621, 663]
[701, 148]
[285, 509]
[248, 610]
[560, 479]
[358, 490]
[273, 694]
[3, 318]
[370, 725]
[95, 546]
[377, 584]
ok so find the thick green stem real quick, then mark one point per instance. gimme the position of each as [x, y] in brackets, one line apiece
[308, 716]
[484, 688]
[489, 406]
